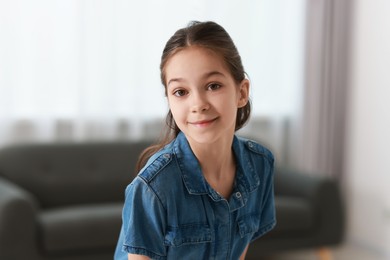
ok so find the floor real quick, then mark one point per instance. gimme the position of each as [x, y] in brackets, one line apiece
[346, 252]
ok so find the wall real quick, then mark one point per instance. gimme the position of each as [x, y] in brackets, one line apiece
[368, 136]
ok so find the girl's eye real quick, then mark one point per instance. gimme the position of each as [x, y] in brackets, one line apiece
[213, 86]
[179, 93]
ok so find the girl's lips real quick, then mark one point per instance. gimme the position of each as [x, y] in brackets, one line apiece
[203, 122]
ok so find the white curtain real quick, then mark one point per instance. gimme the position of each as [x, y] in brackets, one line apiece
[89, 69]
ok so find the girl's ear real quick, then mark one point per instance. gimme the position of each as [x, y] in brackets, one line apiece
[243, 93]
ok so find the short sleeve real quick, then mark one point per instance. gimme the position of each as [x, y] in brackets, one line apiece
[268, 218]
[144, 221]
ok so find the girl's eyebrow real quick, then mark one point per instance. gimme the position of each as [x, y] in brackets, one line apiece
[205, 76]
[175, 80]
[212, 73]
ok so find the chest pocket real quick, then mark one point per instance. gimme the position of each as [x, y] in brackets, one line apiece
[248, 224]
[188, 235]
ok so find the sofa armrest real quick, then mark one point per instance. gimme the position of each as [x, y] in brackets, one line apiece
[18, 209]
[324, 196]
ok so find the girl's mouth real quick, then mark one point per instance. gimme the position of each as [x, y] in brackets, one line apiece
[203, 123]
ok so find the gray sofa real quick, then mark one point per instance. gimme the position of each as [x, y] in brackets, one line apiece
[64, 201]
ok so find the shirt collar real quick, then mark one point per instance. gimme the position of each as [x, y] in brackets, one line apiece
[246, 180]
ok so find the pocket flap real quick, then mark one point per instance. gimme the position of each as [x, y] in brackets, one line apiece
[187, 234]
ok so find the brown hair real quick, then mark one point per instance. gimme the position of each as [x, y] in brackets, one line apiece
[208, 35]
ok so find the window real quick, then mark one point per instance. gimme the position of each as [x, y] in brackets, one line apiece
[79, 63]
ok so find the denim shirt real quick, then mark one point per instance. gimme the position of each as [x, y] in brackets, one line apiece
[171, 212]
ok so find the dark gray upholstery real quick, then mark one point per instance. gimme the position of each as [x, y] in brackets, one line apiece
[309, 211]
[64, 201]
[85, 227]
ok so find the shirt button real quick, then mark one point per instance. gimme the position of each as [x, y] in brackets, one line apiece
[238, 195]
[250, 144]
[167, 156]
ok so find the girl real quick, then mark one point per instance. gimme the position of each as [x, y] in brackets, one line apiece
[202, 193]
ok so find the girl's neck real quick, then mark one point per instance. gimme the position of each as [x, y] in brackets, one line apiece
[218, 165]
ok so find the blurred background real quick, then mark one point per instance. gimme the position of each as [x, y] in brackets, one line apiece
[75, 71]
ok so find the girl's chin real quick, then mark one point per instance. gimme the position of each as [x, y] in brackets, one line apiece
[207, 138]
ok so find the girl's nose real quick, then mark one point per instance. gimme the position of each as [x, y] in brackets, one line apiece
[200, 104]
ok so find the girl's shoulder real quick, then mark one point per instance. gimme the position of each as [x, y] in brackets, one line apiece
[246, 145]
[161, 176]
[156, 164]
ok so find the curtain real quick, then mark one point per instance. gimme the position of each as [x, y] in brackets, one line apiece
[80, 70]
[321, 129]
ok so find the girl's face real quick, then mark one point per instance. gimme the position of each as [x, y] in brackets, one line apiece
[203, 96]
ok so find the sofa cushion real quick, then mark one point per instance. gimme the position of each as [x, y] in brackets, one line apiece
[58, 174]
[74, 229]
[293, 214]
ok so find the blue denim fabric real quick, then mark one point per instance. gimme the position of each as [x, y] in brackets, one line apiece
[171, 212]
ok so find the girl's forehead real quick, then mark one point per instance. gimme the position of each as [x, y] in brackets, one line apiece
[197, 49]
[196, 58]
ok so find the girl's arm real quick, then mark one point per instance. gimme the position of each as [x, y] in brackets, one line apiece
[242, 257]
[137, 257]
